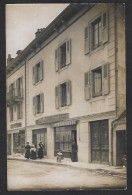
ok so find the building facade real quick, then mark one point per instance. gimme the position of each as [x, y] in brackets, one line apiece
[69, 84]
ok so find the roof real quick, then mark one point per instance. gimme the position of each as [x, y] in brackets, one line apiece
[65, 15]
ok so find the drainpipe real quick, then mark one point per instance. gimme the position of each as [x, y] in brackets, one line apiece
[116, 81]
[25, 107]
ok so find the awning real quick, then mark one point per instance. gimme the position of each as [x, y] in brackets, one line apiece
[65, 123]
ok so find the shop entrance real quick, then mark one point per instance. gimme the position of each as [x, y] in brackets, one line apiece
[121, 147]
[100, 141]
[19, 142]
[40, 135]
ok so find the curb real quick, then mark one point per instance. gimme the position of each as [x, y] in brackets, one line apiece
[100, 171]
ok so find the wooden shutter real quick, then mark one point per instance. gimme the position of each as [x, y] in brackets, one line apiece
[34, 105]
[21, 86]
[17, 87]
[68, 52]
[21, 113]
[56, 60]
[33, 76]
[86, 40]
[105, 27]
[87, 85]
[42, 102]
[105, 79]
[68, 92]
[41, 70]
[57, 96]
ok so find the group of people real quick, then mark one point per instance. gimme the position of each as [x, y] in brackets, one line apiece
[31, 151]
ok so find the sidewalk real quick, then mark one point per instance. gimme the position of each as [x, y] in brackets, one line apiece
[99, 168]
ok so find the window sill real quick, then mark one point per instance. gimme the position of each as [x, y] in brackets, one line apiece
[96, 50]
[38, 83]
[39, 114]
[97, 99]
[63, 108]
[65, 67]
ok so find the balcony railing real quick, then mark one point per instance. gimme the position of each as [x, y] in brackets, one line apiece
[14, 96]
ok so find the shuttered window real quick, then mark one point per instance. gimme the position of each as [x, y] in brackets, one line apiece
[11, 113]
[63, 55]
[96, 33]
[97, 82]
[38, 70]
[38, 104]
[19, 86]
[19, 111]
[63, 94]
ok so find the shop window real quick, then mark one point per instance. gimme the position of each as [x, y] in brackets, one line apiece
[38, 72]
[38, 104]
[63, 94]
[63, 55]
[97, 82]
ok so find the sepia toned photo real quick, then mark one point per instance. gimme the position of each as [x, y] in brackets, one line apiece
[66, 96]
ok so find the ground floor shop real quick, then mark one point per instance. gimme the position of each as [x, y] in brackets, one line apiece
[95, 139]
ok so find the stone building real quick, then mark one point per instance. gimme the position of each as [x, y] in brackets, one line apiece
[69, 84]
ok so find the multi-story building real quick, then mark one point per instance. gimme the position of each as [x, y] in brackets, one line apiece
[69, 84]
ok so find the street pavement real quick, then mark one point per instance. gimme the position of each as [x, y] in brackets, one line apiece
[27, 175]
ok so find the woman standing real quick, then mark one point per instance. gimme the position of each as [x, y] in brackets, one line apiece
[27, 150]
[33, 152]
[74, 152]
[41, 150]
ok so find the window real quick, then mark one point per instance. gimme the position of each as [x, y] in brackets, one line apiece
[19, 86]
[12, 90]
[19, 111]
[11, 113]
[63, 55]
[63, 94]
[97, 82]
[96, 33]
[38, 104]
[38, 72]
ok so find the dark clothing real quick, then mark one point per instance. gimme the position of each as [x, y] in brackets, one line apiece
[74, 153]
[40, 151]
[33, 154]
[27, 152]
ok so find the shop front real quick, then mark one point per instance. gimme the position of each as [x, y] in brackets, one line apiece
[19, 142]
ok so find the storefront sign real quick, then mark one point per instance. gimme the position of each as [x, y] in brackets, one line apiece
[52, 119]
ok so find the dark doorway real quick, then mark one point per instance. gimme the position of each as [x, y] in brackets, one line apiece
[100, 141]
[9, 144]
[121, 150]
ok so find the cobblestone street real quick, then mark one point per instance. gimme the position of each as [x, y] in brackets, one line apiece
[35, 176]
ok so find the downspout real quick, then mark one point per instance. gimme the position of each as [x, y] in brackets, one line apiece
[25, 106]
[116, 82]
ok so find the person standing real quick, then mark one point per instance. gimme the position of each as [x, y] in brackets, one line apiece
[41, 150]
[74, 152]
[27, 150]
[33, 152]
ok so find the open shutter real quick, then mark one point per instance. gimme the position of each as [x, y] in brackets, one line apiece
[41, 70]
[105, 79]
[87, 86]
[86, 40]
[68, 92]
[34, 105]
[68, 52]
[21, 111]
[21, 86]
[33, 76]
[105, 27]
[17, 87]
[57, 97]
[56, 60]
[42, 102]
[14, 90]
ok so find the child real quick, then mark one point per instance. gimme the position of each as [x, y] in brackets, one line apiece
[59, 156]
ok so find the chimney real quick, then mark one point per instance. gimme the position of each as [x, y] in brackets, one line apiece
[39, 31]
[9, 59]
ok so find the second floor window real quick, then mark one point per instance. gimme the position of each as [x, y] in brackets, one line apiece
[11, 112]
[38, 104]
[19, 111]
[38, 70]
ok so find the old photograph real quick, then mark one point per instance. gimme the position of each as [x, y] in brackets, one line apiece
[66, 96]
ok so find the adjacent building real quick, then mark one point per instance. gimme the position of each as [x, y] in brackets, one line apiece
[69, 84]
